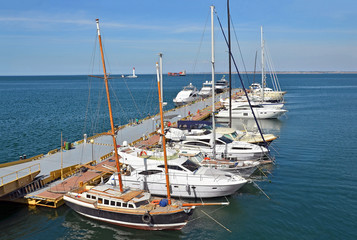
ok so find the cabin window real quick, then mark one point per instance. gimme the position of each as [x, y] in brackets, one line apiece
[118, 204]
[112, 203]
[225, 139]
[241, 148]
[196, 144]
[94, 197]
[131, 205]
[106, 201]
[150, 172]
[172, 167]
[100, 200]
[245, 114]
[125, 205]
[88, 196]
[228, 136]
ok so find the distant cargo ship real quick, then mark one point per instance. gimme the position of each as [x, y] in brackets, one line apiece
[183, 73]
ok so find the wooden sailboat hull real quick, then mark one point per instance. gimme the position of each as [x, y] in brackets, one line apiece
[172, 220]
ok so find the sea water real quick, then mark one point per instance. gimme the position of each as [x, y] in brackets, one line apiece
[312, 187]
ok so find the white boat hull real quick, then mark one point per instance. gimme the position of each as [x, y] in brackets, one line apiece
[262, 113]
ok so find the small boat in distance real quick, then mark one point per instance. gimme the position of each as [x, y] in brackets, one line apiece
[132, 76]
[183, 73]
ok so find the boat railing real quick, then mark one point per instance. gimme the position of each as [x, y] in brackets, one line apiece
[173, 175]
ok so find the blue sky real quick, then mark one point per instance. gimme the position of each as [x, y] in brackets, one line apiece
[45, 37]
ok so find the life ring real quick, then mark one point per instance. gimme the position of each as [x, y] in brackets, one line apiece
[156, 202]
[146, 218]
[143, 153]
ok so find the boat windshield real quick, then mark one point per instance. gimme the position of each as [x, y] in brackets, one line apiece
[228, 136]
[190, 165]
[221, 83]
[234, 134]
[225, 139]
[198, 158]
[189, 88]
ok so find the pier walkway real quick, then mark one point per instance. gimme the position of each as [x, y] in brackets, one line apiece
[96, 148]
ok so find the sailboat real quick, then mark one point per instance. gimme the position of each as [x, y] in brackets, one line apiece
[262, 91]
[128, 207]
[132, 76]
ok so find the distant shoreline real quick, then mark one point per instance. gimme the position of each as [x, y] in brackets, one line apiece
[300, 72]
[248, 72]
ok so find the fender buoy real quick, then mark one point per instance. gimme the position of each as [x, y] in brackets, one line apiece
[206, 158]
[156, 202]
[146, 218]
[143, 153]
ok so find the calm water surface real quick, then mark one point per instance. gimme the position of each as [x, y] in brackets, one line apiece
[312, 187]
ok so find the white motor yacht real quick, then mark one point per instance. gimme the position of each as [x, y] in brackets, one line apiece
[245, 136]
[206, 89]
[187, 178]
[225, 149]
[256, 100]
[242, 168]
[187, 95]
[221, 85]
[176, 134]
[244, 111]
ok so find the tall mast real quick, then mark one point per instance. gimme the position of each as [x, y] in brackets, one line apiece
[161, 80]
[213, 85]
[263, 64]
[110, 109]
[229, 65]
[163, 135]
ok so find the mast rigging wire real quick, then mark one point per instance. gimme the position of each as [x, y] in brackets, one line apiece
[241, 80]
